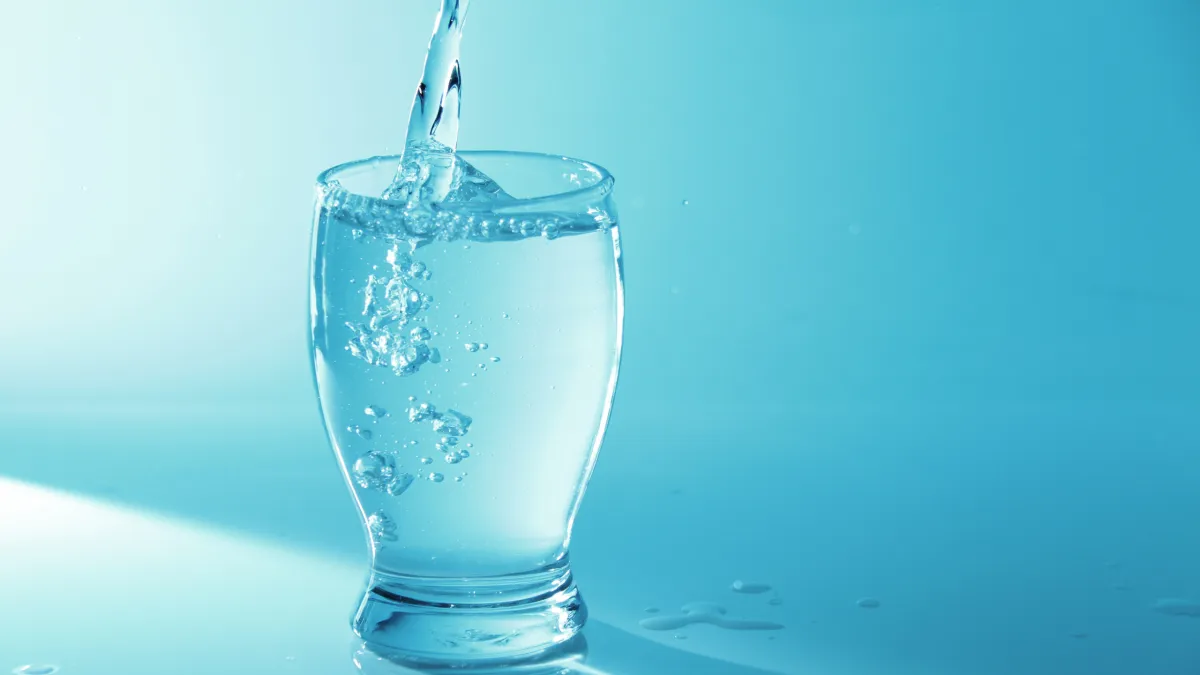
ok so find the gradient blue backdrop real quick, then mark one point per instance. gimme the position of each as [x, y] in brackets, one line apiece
[926, 328]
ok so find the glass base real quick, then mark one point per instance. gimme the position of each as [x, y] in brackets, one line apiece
[430, 622]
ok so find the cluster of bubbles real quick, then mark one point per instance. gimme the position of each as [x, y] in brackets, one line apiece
[412, 212]
[381, 527]
[377, 471]
[390, 334]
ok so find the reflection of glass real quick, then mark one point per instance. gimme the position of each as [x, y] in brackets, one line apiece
[465, 375]
[561, 659]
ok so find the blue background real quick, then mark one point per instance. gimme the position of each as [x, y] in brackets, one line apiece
[925, 329]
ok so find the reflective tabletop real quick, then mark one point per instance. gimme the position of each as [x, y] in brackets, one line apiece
[130, 544]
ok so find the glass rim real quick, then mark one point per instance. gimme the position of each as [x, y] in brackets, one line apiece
[593, 193]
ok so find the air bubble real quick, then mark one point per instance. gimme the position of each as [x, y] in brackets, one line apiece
[452, 423]
[426, 460]
[436, 477]
[400, 483]
[420, 333]
[422, 412]
[471, 346]
[495, 359]
[374, 471]
[381, 527]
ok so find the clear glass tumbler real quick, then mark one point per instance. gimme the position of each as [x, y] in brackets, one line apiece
[465, 360]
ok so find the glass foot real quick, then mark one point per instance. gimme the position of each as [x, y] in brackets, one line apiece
[430, 622]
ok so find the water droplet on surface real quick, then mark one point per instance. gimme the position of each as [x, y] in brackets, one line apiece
[1177, 607]
[375, 412]
[381, 527]
[748, 588]
[704, 612]
[436, 477]
[869, 603]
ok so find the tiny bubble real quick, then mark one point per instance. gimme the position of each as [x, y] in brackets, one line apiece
[426, 460]
[504, 315]
[686, 202]
[495, 359]
[436, 477]
[458, 479]
[483, 345]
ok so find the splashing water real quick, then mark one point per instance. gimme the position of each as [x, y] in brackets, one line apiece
[386, 260]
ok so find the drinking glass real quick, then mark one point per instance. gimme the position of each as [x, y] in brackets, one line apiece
[465, 357]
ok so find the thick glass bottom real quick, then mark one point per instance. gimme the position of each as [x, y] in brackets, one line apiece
[453, 622]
